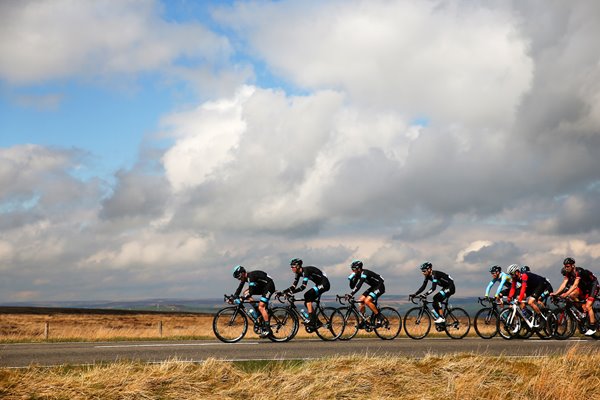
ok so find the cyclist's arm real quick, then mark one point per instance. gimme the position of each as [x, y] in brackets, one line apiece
[523, 289]
[562, 287]
[513, 289]
[239, 289]
[358, 285]
[489, 287]
[501, 285]
[292, 289]
[573, 287]
[302, 287]
[422, 287]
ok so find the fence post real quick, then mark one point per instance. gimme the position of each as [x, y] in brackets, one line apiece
[160, 328]
[46, 330]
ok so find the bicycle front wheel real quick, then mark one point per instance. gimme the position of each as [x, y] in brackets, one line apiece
[597, 315]
[230, 325]
[283, 324]
[458, 323]
[331, 324]
[486, 323]
[565, 324]
[389, 324]
[508, 324]
[351, 321]
[417, 323]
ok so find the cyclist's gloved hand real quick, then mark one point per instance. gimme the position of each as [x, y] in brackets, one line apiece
[347, 296]
[238, 300]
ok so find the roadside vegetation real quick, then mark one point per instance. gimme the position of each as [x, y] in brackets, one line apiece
[461, 376]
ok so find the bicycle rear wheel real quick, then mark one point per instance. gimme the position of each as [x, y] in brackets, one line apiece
[230, 325]
[331, 323]
[417, 323]
[597, 315]
[389, 325]
[550, 326]
[486, 323]
[283, 324]
[458, 323]
[351, 321]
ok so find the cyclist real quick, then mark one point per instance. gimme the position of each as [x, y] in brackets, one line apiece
[535, 287]
[259, 283]
[309, 273]
[372, 294]
[436, 277]
[503, 286]
[583, 286]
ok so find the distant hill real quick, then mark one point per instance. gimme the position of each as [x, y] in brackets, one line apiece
[206, 305]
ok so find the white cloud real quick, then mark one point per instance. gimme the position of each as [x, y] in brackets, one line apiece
[44, 40]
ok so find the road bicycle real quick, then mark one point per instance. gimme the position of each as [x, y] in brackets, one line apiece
[569, 317]
[329, 321]
[486, 319]
[417, 321]
[516, 322]
[230, 324]
[387, 326]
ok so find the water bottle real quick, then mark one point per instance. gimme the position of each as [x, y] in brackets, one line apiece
[253, 313]
[305, 315]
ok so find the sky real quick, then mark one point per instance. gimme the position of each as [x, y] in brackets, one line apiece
[148, 147]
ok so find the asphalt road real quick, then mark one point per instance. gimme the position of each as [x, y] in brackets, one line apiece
[46, 354]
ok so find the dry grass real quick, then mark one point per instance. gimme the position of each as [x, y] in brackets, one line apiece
[92, 327]
[462, 376]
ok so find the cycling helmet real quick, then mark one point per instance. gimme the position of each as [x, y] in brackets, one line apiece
[563, 271]
[525, 268]
[356, 264]
[296, 261]
[495, 268]
[569, 260]
[513, 268]
[426, 265]
[238, 270]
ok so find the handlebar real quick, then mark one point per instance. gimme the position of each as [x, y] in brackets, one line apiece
[421, 297]
[288, 297]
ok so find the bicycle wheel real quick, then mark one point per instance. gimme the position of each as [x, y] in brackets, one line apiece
[351, 321]
[508, 325]
[486, 323]
[331, 323]
[230, 325]
[417, 323]
[458, 323]
[547, 331]
[389, 325]
[565, 324]
[597, 315]
[283, 323]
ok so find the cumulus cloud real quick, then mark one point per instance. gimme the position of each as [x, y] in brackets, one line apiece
[44, 40]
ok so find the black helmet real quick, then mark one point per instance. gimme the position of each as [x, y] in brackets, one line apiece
[356, 264]
[238, 270]
[569, 260]
[495, 268]
[525, 268]
[296, 261]
[426, 265]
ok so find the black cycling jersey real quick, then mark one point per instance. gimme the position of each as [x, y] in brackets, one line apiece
[586, 277]
[258, 283]
[436, 278]
[309, 274]
[356, 280]
[530, 283]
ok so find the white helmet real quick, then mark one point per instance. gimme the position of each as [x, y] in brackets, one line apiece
[513, 268]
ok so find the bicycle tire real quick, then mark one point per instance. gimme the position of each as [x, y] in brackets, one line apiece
[547, 332]
[331, 324]
[351, 321]
[485, 323]
[391, 326]
[417, 323]
[597, 315]
[506, 324]
[565, 324]
[230, 325]
[458, 323]
[283, 324]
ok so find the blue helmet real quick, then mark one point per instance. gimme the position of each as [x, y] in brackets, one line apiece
[296, 261]
[238, 270]
[495, 268]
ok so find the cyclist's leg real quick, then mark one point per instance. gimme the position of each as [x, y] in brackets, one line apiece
[437, 308]
[310, 296]
[589, 306]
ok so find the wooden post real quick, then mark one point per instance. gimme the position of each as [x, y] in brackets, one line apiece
[160, 328]
[46, 330]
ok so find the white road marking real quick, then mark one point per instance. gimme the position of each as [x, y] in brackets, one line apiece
[170, 345]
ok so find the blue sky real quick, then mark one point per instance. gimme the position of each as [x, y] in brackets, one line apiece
[146, 147]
